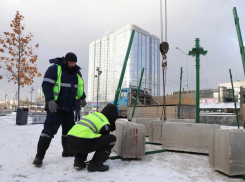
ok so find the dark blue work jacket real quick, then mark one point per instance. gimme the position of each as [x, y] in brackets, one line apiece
[67, 97]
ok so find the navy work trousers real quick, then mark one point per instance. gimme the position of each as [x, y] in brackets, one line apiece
[81, 147]
[54, 120]
[78, 115]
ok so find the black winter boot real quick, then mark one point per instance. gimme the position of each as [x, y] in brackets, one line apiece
[42, 146]
[97, 166]
[79, 161]
[66, 152]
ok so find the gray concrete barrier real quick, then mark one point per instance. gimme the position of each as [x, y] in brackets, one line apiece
[155, 131]
[130, 139]
[5, 112]
[181, 121]
[37, 113]
[188, 137]
[38, 119]
[227, 151]
[227, 120]
[144, 121]
[155, 128]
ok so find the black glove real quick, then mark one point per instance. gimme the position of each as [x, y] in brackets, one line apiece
[83, 103]
[52, 106]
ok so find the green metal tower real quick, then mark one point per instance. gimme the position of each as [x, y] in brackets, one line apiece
[239, 35]
[196, 52]
[124, 68]
[138, 91]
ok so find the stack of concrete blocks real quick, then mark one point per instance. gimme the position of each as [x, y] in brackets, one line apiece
[144, 121]
[188, 137]
[186, 112]
[227, 151]
[130, 139]
[38, 119]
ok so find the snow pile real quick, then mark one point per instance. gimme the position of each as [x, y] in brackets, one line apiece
[18, 149]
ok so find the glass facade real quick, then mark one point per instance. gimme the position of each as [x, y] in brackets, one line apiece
[108, 53]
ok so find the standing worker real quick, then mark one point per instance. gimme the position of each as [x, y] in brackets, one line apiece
[62, 85]
[78, 110]
[92, 133]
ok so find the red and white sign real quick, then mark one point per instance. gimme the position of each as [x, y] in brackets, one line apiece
[212, 101]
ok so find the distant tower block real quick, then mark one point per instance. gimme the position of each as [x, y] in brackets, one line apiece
[130, 139]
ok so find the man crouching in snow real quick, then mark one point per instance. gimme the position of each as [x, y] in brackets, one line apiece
[91, 134]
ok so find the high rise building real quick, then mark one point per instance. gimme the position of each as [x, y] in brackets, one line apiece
[108, 53]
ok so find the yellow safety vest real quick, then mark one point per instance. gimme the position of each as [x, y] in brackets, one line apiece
[57, 85]
[90, 126]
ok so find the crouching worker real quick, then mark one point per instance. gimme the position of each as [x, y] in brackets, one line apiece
[91, 134]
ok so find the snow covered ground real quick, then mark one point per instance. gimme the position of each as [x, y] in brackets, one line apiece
[18, 148]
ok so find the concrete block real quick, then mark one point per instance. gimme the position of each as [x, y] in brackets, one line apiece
[2, 113]
[5, 112]
[38, 119]
[144, 121]
[8, 111]
[155, 131]
[155, 128]
[37, 113]
[227, 149]
[130, 139]
[181, 121]
[188, 137]
[220, 119]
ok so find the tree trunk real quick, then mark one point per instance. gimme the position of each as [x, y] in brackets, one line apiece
[18, 92]
[19, 72]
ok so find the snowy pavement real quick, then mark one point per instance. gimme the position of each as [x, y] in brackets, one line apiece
[18, 148]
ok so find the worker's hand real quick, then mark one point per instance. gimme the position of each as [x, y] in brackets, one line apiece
[52, 106]
[83, 103]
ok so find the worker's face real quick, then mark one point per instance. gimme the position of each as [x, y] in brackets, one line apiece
[71, 64]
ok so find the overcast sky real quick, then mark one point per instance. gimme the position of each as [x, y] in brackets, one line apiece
[61, 26]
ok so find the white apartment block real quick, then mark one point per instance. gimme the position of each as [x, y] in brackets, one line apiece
[108, 53]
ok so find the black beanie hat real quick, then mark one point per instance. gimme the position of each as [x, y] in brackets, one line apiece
[111, 113]
[70, 56]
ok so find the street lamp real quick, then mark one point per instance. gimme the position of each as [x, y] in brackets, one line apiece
[187, 67]
[31, 94]
[5, 100]
[98, 75]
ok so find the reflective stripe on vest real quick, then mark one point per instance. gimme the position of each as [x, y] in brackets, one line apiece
[58, 84]
[89, 126]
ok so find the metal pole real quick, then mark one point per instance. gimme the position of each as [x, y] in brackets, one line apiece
[161, 20]
[234, 99]
[124, 68]
[239, 35]
[180, 91]
[187, 75]
[197, 82]
[187, 67]
[97, 107]
[137, 95]
[166, 20]
[5, 100]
